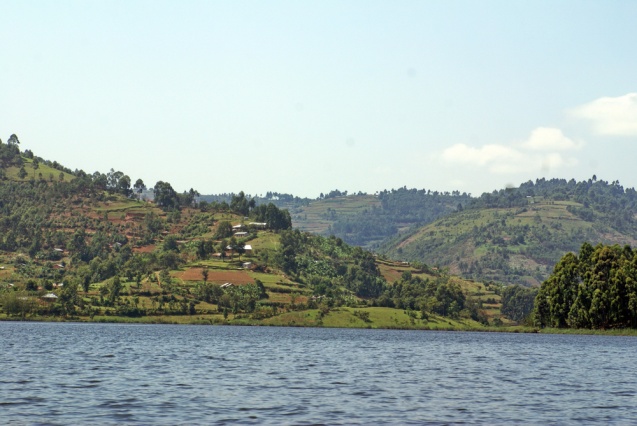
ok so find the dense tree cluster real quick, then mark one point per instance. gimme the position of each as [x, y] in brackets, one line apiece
[276, 219]
[264, 210]
[441, 296]
[518, 302]
[10, 152]
[595, 289]
[328, 265]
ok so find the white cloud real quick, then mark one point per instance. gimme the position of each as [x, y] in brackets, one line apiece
[611, 116]
[548, 139]
[485, 155]
[538, 153]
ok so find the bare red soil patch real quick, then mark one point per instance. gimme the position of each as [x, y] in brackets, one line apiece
[144, 249]
[217, 277]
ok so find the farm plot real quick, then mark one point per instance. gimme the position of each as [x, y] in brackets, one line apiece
[216, 277]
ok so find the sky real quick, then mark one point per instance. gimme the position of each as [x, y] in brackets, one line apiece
[306, 97]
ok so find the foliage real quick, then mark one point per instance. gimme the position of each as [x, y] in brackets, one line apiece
[440, 296]
[518, 302]
[595, 289]
[328, 265]
[275, 218]
[224, 230]
[165, 196]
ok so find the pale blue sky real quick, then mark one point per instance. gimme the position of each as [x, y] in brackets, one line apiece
[305, 97]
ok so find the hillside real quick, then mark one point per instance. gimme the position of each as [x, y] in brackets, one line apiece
[515, 235]
[84, 247]
[362, 219]
[518, 235]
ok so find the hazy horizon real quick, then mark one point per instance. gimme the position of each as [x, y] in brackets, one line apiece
[303, 98]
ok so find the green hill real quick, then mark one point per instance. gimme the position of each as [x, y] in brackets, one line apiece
[518, 235]
[515, 235]
[84, 247]
[362, 219]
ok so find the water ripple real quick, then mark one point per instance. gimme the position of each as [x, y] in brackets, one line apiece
[94, 374]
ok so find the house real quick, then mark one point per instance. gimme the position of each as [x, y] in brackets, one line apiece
[260, 225]
[226, 285]
[246, 265]
[237, 227]
[241, 234]
[49, 297]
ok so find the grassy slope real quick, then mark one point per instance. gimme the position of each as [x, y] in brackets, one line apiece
[317, 216]
[471, 235]
[48, 173]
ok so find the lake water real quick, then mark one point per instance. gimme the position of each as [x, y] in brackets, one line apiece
[64, 373]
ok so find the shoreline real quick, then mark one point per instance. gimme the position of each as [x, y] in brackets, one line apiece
[255, 323]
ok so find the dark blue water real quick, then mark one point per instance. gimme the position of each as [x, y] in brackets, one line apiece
[164, 374]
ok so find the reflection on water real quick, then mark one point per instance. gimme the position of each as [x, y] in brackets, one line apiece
[162, 374]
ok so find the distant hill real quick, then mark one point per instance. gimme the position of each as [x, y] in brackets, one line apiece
[362, 219]
[517, 235]
[514, 235]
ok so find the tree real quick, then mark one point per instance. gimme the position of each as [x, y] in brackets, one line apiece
[170, 243]
[16, 303]
[35, 165]
[518, 302]
[204, 248]
[68, 298]
[224, 230]
[22, 173]
[232, 244]
[188, 198]
[165, 196]
[114, 289]
[596, 289]
[240, 204]
[222, 249]
[123, 186]
[240, 247]
[204, 274]
[13, 140]
[139, 188]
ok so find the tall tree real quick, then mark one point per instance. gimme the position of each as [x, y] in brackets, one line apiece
[13, 140]
[165, 196]
[36, 165]
[139, 187]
